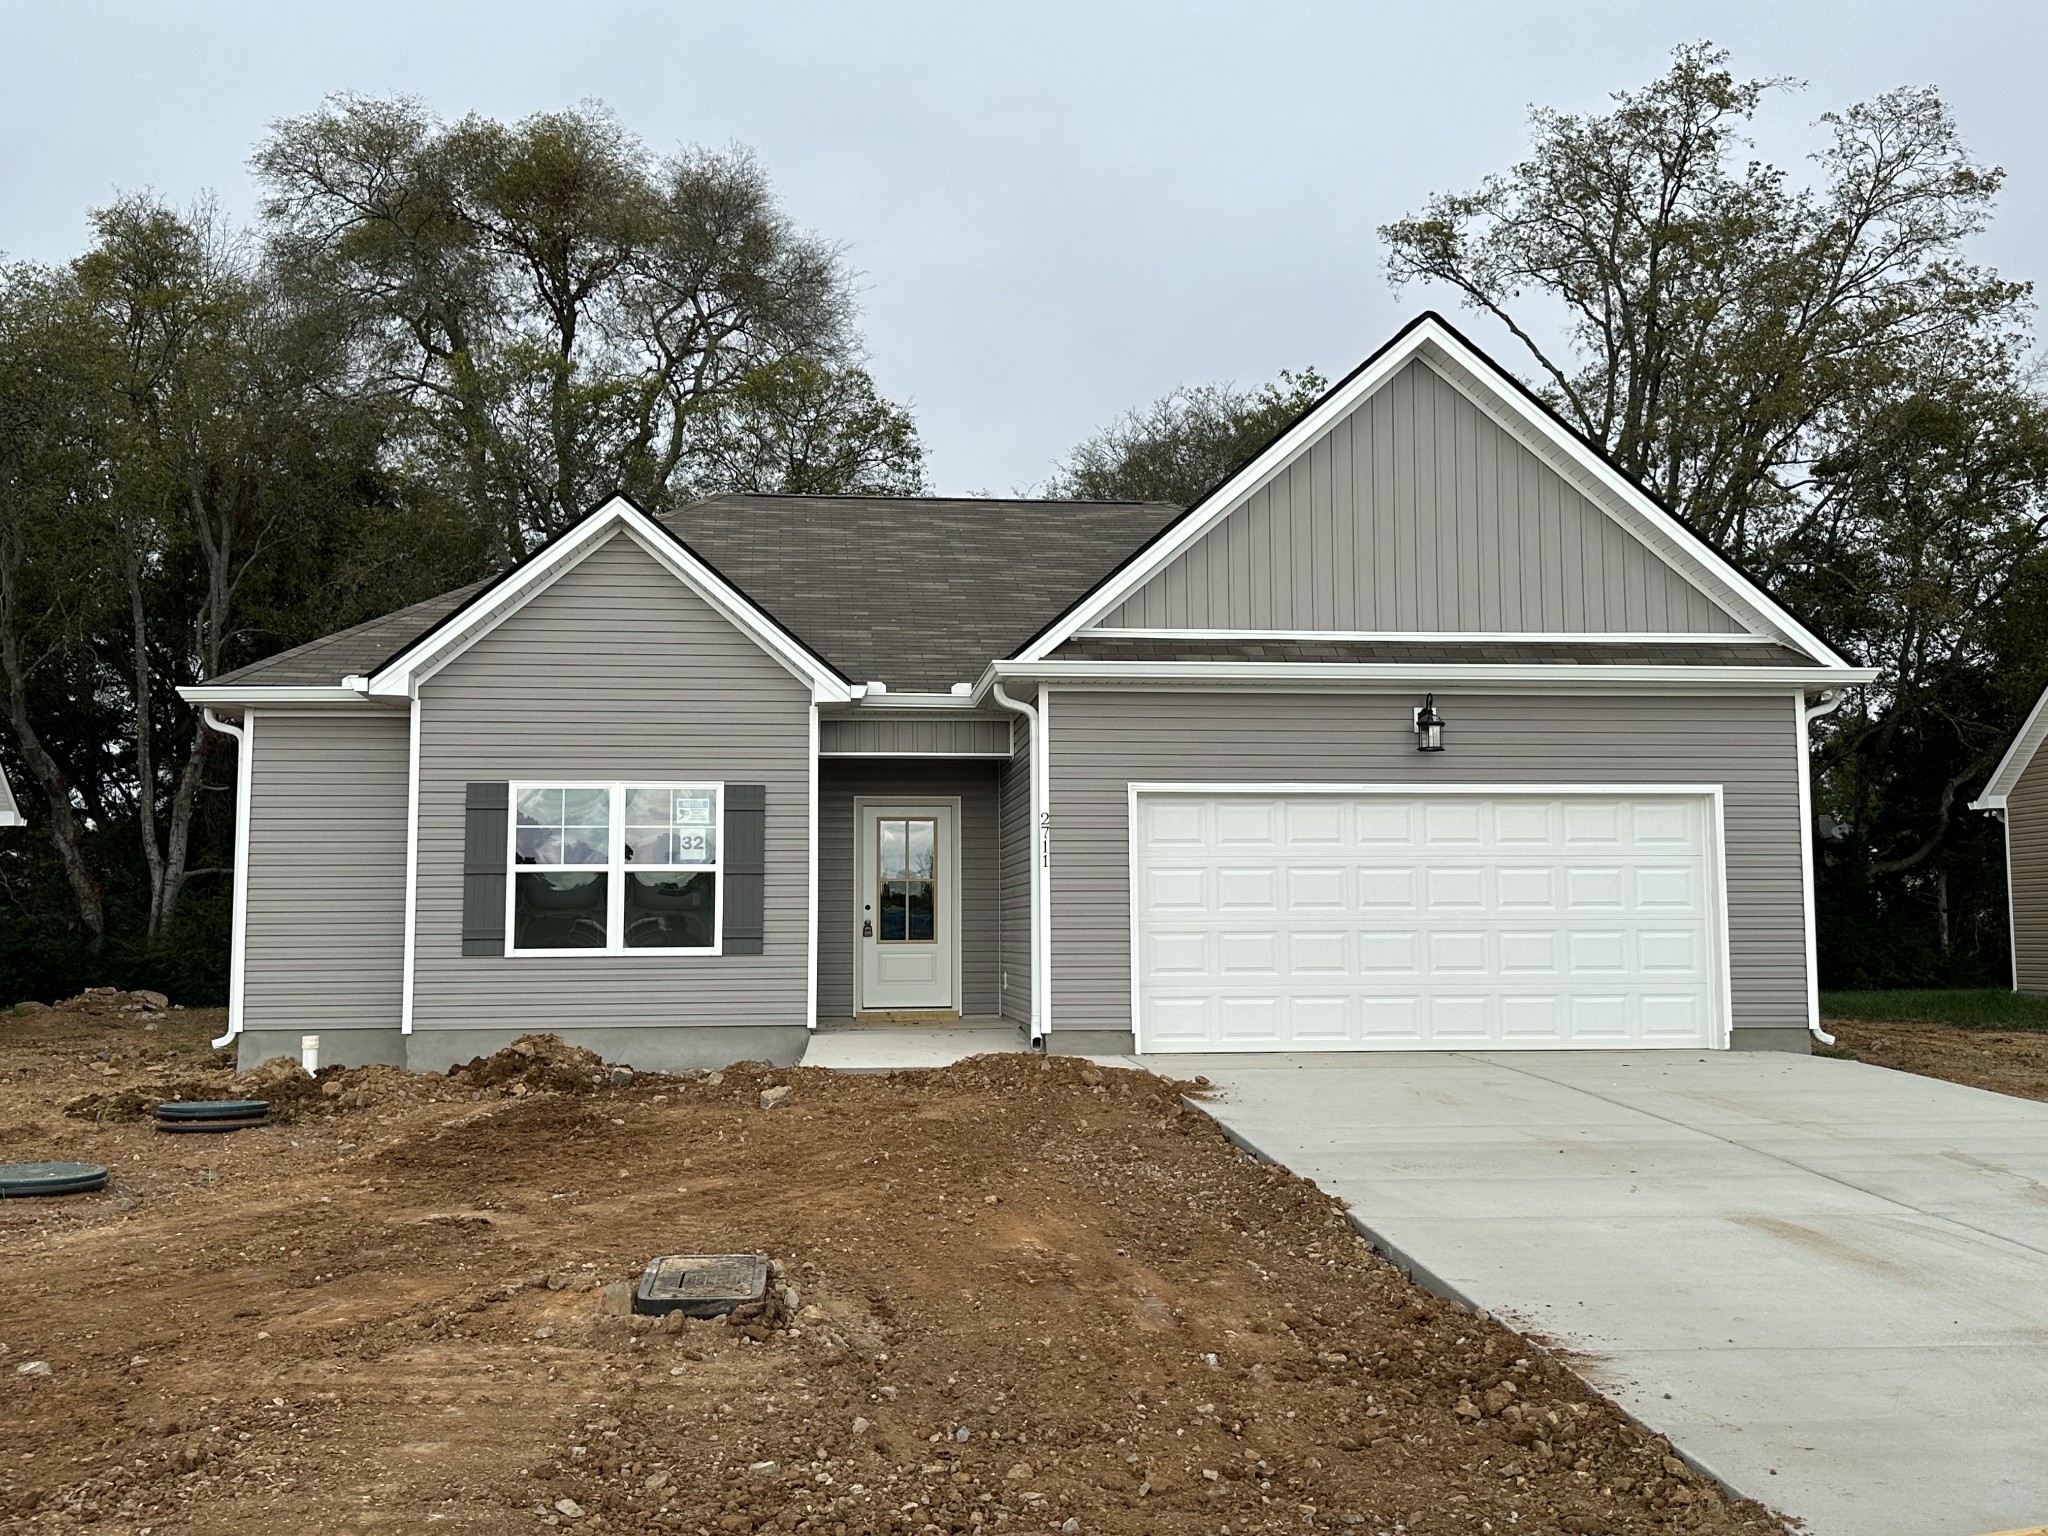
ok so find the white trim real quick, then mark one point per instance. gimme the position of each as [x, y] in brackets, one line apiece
[2018, 758]
[811, 883]
[404, 673]
[615, 869]
[865, 697]
[1473, 377]
[412, 866]
[254, 695]
[1449, 636]
[1354, 676]
[238, 933]
[1723, 1000]
[951, 889]
[986, 757]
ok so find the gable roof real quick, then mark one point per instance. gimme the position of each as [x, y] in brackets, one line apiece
[1515, 407]
[915, 592]
[2018, 758]
[10, 813]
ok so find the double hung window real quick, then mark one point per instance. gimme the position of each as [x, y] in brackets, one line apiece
[615, 867]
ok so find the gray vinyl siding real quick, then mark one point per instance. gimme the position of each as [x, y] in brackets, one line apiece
[1013, 795]
[616, 671]
[1102, 742]
[2026, 832]
[1417, 512]
[914, 736]
[325, 942]
[839, 782]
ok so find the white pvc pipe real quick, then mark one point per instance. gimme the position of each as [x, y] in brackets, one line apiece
[1041, 884]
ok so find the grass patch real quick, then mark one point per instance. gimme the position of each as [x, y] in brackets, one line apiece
[1964, 1007]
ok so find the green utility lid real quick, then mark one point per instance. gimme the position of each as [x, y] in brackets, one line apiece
[23, 1179]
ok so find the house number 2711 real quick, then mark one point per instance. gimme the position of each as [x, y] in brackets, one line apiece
[1045, 839]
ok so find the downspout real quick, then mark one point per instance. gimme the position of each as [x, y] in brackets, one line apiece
[239, 923]
[1827, 704]
[1041, 906]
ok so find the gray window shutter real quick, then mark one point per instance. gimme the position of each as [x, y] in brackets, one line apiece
[486, 808]
[746, 867]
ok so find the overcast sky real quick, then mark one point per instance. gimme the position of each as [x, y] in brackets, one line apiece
[1058, 211]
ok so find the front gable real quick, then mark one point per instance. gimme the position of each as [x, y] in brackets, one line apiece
[1429, 496]
[1416, 512]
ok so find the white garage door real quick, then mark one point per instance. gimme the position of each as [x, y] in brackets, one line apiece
[1474, 920]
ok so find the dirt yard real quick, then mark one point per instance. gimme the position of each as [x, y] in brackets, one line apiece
[1023, 1295]
[2005, 1061]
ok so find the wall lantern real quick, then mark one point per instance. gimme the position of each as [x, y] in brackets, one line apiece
[1429, 727]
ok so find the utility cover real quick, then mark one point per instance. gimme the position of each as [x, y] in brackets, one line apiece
[213, 1109]
[24, 1179]
[701, 1284]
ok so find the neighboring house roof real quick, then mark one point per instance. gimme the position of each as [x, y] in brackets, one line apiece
[10, 813]
[2017, 758]
[915, 592]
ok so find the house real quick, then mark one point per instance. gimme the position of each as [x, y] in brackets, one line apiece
[1426, 729]
[10, 813]
[2017, 794]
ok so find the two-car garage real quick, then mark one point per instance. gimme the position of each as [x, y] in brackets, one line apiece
[1311, 918]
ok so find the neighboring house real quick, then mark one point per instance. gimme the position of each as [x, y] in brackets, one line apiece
[2017, 794]
[685, 788]
[10, 813]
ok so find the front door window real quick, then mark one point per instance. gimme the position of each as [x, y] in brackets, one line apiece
[907, 869]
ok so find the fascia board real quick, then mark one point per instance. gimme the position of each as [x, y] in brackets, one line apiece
[1430, 339]
[403, 674]
[2017, 758]
[257, 696]
[1352, 676]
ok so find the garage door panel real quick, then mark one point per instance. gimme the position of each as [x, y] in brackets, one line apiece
[1402, 921]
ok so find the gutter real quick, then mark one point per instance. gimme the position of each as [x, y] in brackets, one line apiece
[1041, 886]
[1826, 704]
[239, 931]
[1351, 676]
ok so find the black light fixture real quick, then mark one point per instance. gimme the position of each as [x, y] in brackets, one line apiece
[1429, 726]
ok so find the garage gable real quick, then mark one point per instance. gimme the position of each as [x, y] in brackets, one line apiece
[1418, 512]
[1429, 495]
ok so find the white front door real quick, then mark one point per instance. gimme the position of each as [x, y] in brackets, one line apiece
[1473, 920]
[908, 905]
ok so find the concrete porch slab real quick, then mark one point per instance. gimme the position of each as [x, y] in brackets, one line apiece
[909, 1047]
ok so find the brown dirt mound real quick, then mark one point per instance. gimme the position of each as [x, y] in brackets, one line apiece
[542, 1063]
[1012, 1294]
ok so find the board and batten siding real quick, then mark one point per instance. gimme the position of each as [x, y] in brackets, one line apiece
[617, 671]
[1013, 850]
[324, 946]
[1417, 512]
[2026, 832]
[1102, 742]
[913, 736]
[840, 782]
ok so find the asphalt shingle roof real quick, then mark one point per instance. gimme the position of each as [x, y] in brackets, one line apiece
[1476, 652]
[918, 592]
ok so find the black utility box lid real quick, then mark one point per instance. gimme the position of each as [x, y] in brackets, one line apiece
[701, 1284]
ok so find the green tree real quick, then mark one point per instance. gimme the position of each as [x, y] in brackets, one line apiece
[1186, 443]
[564, 314]
[800, 427]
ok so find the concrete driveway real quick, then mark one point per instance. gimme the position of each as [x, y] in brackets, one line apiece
[1827, 1282]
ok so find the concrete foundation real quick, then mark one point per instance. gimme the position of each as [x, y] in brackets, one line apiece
[678, 1049]
[338, 1047]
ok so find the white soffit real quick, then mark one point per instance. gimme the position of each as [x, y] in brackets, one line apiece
[1477, 378]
